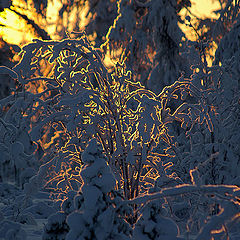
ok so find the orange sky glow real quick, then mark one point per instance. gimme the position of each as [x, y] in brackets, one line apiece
[19, 33]
[202, 9]
[15, 33]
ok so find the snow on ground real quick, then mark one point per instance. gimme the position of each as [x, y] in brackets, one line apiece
[21, 218]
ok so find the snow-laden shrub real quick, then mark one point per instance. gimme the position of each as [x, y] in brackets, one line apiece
[26, 174]
[7, 52]
[99, 216]
[56, 227]
[79, 99]
[223, 222]
[69, 205]
[16, 146]
[214, 155]
[152, 224]
[211, 157]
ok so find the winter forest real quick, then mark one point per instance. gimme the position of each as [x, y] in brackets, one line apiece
[119, 120]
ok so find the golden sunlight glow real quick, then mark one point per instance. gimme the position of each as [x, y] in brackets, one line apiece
[204, 8]
[69, 20]
[201, 9]
[17, 31]
[53, 8]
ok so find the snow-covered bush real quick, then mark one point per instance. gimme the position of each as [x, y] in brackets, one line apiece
[7, 52]
[99, 216]
[152, 224]
[16, 146]
[215, 155]
[56, 227]
[222, 222]
[80, 99]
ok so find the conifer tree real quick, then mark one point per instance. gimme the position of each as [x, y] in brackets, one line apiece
[150, 38]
